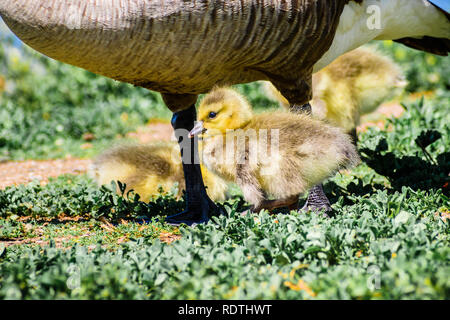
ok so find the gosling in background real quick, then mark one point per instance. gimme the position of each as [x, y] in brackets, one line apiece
[309, 150]
[354, 84]
[146, 168]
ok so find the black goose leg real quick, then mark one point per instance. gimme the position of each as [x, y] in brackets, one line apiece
[306, 108]
[198, 204]
[317, 200]
[354, 136]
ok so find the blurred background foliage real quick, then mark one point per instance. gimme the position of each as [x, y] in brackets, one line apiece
[46, 106]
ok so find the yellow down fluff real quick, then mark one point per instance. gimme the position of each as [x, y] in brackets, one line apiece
[306, 152]
[146, 168]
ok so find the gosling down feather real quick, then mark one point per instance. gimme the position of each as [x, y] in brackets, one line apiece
[147, 168]
[276, 155]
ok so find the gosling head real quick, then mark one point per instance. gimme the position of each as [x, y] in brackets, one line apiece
[220, 110]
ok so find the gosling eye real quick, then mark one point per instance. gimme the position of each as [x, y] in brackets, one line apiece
[212, 115]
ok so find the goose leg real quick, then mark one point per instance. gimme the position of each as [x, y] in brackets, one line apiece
[354, 136]
[198, 205]
[317, 200]
[306, 108]
[298, 98]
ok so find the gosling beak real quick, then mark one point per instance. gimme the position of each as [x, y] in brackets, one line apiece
[198, 129]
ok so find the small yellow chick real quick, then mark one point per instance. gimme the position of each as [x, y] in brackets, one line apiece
[275, 154]
[146, 168]
[354, 84]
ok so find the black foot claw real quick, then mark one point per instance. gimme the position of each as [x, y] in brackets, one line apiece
[189, 218]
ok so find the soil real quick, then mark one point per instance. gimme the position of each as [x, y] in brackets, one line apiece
[22, 172]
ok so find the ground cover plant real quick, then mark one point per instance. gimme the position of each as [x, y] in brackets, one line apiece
[70, 239]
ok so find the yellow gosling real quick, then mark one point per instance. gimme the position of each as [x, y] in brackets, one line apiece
[147, 168]
[353, 85]
[280, 155]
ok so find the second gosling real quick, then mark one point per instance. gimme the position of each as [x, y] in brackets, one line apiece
[303, 151]
[354, 84]
[147, 168]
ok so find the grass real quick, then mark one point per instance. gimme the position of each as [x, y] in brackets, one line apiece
[381, 247]
[69, 239]
[389, 238]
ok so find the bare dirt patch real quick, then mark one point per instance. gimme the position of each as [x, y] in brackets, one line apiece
[23, 172]
[154, 131]
[378, 118]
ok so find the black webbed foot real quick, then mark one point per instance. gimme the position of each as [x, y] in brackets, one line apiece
[200, 212]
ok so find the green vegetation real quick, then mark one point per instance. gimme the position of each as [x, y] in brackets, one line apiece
[46, 107]
[388, 239]
[382, 246]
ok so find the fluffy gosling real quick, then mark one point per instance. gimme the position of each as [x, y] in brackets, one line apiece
[281, 154]
[353, 85]
[146, 168]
